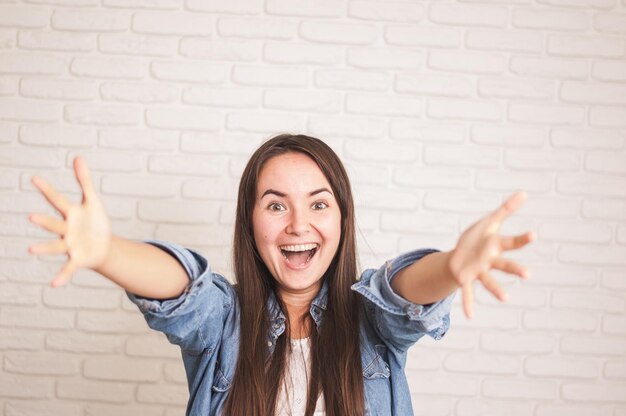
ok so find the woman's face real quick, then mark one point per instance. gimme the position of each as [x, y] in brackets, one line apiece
[296, 222]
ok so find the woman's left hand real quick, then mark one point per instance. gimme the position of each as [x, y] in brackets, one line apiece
[480, 248]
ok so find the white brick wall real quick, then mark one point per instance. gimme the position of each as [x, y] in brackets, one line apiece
[439, 110]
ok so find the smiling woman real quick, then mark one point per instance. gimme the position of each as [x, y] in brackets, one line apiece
[300, 333]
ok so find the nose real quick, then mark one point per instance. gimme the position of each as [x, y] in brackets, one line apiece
[299, 222]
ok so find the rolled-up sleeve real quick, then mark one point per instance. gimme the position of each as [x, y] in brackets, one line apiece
[398, 321]
[195, 319]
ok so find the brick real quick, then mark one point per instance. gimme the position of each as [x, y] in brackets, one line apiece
[348, 79]
[168, 23]
[34, 408]
[610, 22]
[466, 62]
[81, 389]
[139, 139]
[461, 155]
[90, 21]
[609, 70]
[593, 346]
[585, 4]
[596, 392]
[111, 322]
[560, 321]
[346, 126]
[381, 151]
[8, 39]
[514, 88]
[420, 360]
[70, 90]
[303, 53]
[344, 33]
[605, 162]
[488, 317]
[389, 11]
[225, 6]
[29, 110]
[468, 15]
[122, 369]
[432, 36]
[96, 409]
[481, 363]
[270, 76]
[183, 118]
[519, 389]
[383, 105]
[139, 92]
[548, 67]
[430, 405]
[523, 297]
[257, 122]
[19, 294]
[153, 345]
[459, 202]
[541, 160]
[614, 324]
[612, 117]
[84, 343]
[131, 44]
[303, 100]
[308, 8]
[219, 143]
[8, 86]
[175, 373]
[581, 138]
[41, 363]
[570, 410]
[615, 369]
[141, 186]
[603, 302]
[593, 93]
[509, 136]
[436, 384]
[422, 177]
[196, 235]
[366, 174]
[66, 2]
[519, 342]
[202, 72]
[56, 41]
[26, 387]
[188, 164]
[144, 4]
[81, 298]
[381, 58]
[550, 19]
[64, 136]
[475, 407]
[591, 254]
[193, 212]
[504, 41]
[254, 28]
[422, 84]
[419, 130]
[375, 197]
[26, 17]
[162, 394]
[109, 161]
[604, 209]
[614, 279]
[35, 158]
[9, 180]
[546, 113]
[575, 231]
[222, 96]
[586, 46]
[218, 50]
[42, 318]
[464, 109]
[109, 68]
[591, 184]
[102, 114]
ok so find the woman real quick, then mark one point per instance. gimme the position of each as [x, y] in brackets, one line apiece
[299, 333]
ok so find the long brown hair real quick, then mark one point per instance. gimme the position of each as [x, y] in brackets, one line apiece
[336, 369]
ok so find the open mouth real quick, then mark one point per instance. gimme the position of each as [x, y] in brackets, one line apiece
[299, 254]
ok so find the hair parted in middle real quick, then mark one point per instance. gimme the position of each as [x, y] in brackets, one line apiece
[336, 369]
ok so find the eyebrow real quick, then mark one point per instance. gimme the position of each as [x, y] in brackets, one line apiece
[282, 194]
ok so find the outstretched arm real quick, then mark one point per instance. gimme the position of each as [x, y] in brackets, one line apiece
[477, 252]
[85, 237]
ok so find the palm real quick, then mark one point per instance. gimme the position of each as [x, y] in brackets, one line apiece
[84, 232]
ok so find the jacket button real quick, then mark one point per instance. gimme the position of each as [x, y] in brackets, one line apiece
[269, 343]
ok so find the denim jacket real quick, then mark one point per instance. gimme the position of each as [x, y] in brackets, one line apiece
[204, 322]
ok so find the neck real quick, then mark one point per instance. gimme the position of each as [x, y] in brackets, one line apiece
[298, 305]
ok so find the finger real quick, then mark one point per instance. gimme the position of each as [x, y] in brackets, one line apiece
[468, 299]
[52, 247]
[493, 286]
[509, 206]
[83, 176]
[518, 241]
[65, 275]
[58, 201]
[509, 266]
[49, 223]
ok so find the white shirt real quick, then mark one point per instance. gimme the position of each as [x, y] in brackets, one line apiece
[293, 393]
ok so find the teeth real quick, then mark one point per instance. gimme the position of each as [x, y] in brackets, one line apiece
[299, 247]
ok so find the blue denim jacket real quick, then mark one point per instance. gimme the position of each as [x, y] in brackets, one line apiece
[204, 322]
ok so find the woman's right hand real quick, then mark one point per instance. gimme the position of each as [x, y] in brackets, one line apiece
[84, 232]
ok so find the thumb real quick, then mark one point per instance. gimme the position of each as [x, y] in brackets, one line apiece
[83, 176]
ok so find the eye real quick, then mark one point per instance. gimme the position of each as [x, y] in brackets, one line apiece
[320, 205]
[276, 207]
